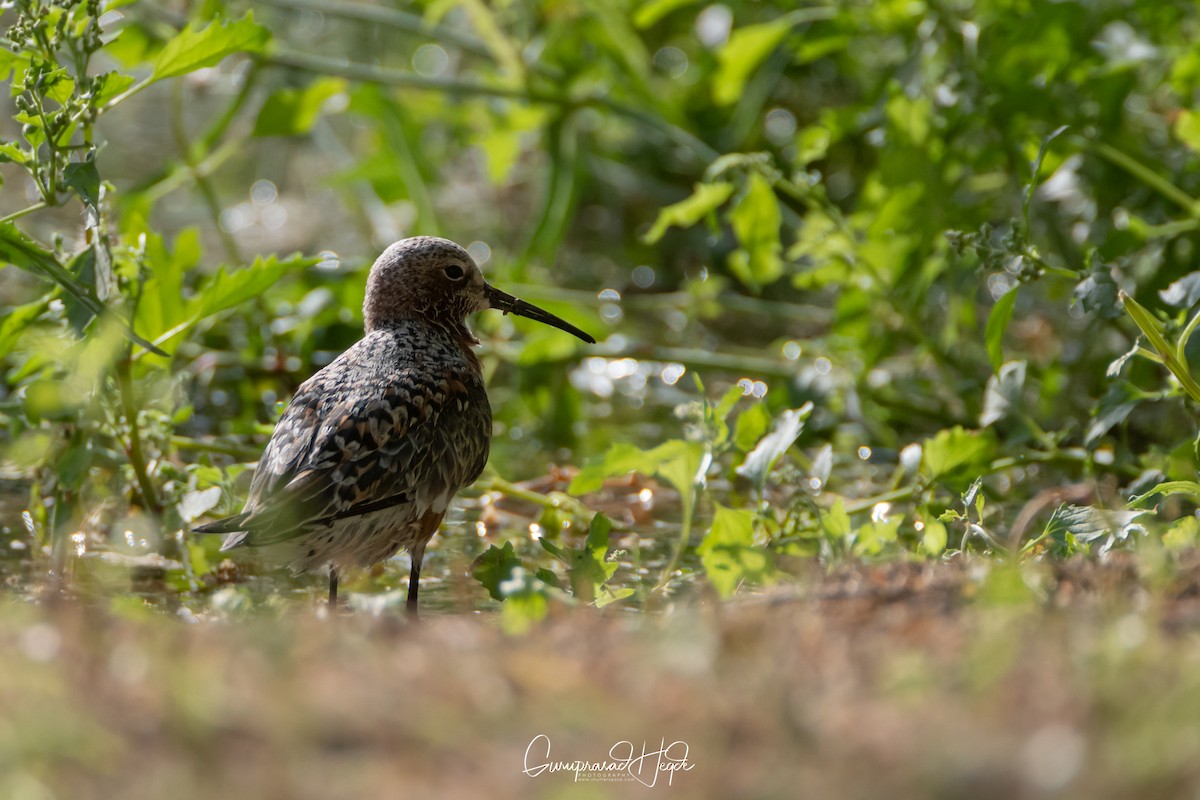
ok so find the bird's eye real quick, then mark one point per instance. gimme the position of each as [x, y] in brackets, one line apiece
[454, 272]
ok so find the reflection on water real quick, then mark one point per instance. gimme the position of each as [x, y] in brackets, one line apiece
[198, 582]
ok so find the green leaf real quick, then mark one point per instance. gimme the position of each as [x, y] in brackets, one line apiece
[85, 180]
[110, 85]
[293, 112]
[1111, 410]
[675, 461]
[955, 451]
[652, 11]
[1087, 524]
[752, 425]
[193, 49]
[933, 538]
[1005, 393]
[1153, 331]
[770, 449]
[997, 323]
[872, 538]
[11, 151]
[835, 523]
[227, 289]
[1189, 489]
[746, 49]
[494, 567]
[705, 198]
[14, 322]
[589, 571]
[729, 554]
[756, 220]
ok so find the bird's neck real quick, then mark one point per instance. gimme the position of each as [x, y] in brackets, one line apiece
[455, 330]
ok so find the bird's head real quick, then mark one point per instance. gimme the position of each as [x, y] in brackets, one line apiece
[436, 280]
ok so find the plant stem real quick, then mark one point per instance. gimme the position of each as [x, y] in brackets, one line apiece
[137, 458]
[192, 160]
[18, 214]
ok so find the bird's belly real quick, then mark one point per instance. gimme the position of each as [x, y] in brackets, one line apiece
[358, 541]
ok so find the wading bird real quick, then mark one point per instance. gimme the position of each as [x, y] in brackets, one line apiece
[372, 449]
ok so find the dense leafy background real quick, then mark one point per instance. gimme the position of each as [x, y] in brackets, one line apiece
[874, 282]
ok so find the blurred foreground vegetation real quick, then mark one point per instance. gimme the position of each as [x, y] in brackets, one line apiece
[877, 284]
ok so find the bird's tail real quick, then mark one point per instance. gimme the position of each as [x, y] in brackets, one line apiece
[226, 525]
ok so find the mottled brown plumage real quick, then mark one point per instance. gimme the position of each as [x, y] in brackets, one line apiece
[372, 448]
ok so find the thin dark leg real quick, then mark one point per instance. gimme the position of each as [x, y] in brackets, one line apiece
[414, 583]
[333, 580]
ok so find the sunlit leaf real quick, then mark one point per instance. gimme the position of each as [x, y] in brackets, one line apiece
[835, 523]
[761, 460]
[1089, 523]
[729, 554]
[756, 219]
[292, 112]
[651, 11]
[739, 57]
[194, 49]
[957, 451]
[494, 567]
[705, 198]
[752, 425]
[1189, 489]
[1183, 293]
[933, 537]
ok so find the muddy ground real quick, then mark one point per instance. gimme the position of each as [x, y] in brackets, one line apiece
[903, 681]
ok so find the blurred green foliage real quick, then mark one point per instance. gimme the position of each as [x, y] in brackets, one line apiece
[898, 239]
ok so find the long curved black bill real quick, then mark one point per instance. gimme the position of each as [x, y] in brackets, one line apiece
[502, 301]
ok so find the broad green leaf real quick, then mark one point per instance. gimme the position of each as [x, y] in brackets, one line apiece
[705, 199]
[227, 289]
[955, 450]
[756, 220]
[873, 537]
[761, 460]
[162, 305]
[109, 85]
[729, 554]
[14, 322]
[739, 57]
[933, 538]
[675, 461]
[193, 49]
[85, 180]
[1184, 534]
[292, 112]
[494, 567]
[835, 523]
[1187, 129]
[589, 569]
[11, 151]
[997, 323]
[1088, 523]
[752, 425]
[652, 11]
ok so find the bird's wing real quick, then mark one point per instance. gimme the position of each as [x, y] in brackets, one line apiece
[411, 437]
